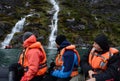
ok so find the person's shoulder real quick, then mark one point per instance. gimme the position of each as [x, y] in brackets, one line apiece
[114, 50]
[33, 50]
[68, 53]
[114, 58]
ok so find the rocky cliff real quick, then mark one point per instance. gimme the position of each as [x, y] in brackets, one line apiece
[79, 20]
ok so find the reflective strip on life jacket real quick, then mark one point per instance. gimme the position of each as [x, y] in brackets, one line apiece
[59, 61]
[99, 61]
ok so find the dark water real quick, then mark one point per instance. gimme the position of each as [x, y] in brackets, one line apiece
[51, 54]
[9, 56]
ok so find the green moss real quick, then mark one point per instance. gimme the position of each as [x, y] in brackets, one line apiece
[83, 13]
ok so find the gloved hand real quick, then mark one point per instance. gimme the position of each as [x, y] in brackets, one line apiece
[24, 78]
[52, 64]
[20, 70]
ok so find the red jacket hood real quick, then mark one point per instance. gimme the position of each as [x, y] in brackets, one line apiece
[29, 41]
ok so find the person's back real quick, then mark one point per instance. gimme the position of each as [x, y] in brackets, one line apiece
[66, 62]
[32, 60]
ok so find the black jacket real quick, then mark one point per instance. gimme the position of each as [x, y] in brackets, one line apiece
[110, 73]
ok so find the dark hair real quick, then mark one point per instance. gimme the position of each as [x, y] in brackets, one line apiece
[102, 41]
[60, 39]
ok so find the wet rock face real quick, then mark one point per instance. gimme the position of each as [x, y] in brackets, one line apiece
[4, 27]
[77, 17]
[12, 2]
[8, 6]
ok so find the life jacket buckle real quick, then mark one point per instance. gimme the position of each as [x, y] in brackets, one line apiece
[25, 69]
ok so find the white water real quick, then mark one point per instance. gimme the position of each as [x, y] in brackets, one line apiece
[54, 25]
[95, 1]
[17, 28]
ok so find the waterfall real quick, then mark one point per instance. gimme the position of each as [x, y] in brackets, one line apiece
[54, 25]
[17, 28]
[95, 1]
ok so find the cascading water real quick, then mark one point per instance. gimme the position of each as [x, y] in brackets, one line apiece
[53, 24]
[51, 47]
[17, 28]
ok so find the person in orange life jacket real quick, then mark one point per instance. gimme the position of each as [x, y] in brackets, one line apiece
[66, 63]
[33, 59]
[100, 63]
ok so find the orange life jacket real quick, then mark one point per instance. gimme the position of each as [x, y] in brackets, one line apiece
[59, 61]
[99, 61]
[42, 65]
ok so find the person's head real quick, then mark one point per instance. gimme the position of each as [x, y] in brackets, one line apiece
[101, 43]
[28, 39]
[59, 39]
[26, 35]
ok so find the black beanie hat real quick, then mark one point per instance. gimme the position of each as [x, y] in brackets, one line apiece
[26, 35]
[60, 39]
[102, 41]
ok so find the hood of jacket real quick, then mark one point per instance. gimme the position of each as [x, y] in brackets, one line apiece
[29, 41]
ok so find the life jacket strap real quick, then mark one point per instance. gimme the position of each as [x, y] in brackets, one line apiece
[26, 69]
[42, 65]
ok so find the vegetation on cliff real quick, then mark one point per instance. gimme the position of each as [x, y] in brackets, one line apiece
[79, 20]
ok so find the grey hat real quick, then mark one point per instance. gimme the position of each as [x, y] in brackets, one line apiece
[26, 35]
